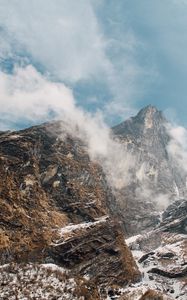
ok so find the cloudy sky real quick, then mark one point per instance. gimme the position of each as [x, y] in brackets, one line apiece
[109, 57]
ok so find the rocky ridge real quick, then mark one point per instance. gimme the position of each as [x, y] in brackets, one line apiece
[53, 209]
[156, 178]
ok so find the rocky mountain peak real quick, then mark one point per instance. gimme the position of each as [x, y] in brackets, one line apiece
[155, 175]
[149, 120]
[150, 116]
[147, 110]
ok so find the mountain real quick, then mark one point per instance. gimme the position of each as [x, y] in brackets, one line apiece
[65, 233]
[54, 212]
[147, 137]
[157, 180]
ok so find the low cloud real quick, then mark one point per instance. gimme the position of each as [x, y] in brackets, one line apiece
[147, 192]
[177, 147]
[29, 96]
[68, 40]
[63, 36]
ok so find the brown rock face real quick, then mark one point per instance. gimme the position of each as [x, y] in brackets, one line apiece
[152, 295]
[53, 207]
[98, 252]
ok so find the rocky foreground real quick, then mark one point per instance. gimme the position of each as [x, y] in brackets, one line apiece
[161, 254]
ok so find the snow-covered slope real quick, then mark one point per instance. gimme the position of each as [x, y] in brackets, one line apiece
[161, 254]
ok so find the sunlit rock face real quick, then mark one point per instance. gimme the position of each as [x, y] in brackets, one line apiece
[54, 208]
[157, 179]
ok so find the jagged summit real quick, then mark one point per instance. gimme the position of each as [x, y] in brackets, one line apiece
[148, 108]
[149, 119]
[150, 111]
[155, 175]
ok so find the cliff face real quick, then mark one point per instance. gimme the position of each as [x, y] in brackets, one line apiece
[146, 136]
[156, 179]
[54, 207]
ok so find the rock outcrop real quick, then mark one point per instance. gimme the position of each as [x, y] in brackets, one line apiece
[54, 208]
[162, 253]
[174, 218]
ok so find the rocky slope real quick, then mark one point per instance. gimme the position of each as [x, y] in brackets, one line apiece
[60, 235]
[54, 209]
[33, 281]
[156, 178]
[161, 254]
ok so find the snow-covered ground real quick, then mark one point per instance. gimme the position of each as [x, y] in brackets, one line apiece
[68, 231]
[170, 256]
[39, 282]
[84, 225]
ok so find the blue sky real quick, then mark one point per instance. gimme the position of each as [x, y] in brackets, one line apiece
[115, 56]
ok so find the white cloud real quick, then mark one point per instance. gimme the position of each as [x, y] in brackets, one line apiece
[177, 147]
[27, 94]
[67, 39]
[147, 192]
[62, 35]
